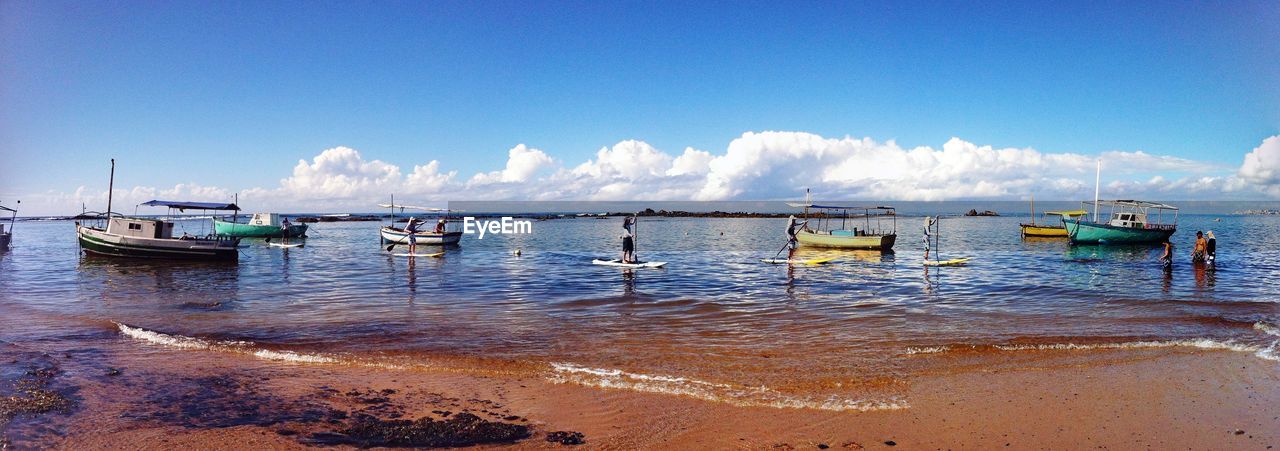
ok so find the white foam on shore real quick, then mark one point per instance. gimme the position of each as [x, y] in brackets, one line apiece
[741, 396]
[173, 341]
[1264, 352]
[239, 347]
[1267, 328]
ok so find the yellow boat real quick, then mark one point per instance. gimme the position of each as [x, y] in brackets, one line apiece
[835, 227]
[1052, 228]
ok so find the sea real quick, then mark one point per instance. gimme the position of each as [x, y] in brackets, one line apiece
[714, 323]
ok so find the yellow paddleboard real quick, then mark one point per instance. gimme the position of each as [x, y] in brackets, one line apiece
[952, 262]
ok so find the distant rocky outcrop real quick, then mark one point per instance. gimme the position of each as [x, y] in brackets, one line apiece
[981, 213]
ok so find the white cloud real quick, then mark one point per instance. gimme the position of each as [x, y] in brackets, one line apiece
[522, 163]
[1262, 165]
[764, 165]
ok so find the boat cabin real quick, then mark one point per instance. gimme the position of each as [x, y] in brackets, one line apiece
[1131, 220]
[265, 219]
[140, 228]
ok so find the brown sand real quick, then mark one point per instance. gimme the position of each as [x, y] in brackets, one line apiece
[1161, 399]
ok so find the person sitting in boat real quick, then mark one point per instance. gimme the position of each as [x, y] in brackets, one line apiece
[411, 228]
[1210, 248]
[628, 240]
[440, 226]
[1166, 259]
[1197, 253]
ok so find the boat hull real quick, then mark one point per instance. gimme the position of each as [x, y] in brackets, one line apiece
[98, 242]
[872, 242]
[1084, 232]
[235, 229]
[1043, 231]
[4, 241]
[393, 235]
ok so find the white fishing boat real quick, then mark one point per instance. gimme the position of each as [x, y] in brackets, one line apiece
[139, 237]
[439, 228]
[6, 236]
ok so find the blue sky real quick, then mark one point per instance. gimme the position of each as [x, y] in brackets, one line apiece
[233, 94]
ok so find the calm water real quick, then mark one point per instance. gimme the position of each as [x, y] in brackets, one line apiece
[715, 323]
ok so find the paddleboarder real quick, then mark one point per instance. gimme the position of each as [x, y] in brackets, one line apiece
[628, 239]
[284, 230]
[412, 228]
[928, 225]
[793, 227]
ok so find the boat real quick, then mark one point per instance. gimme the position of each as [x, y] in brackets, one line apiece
[838, 227]
[260, 225]
[1131, 222]
[390, 234]
[138, 237]
[6, 236]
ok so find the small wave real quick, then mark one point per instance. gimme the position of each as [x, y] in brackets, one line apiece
[1267, 353]
[1267, 328]
[741, 396]
[239, 347]
[290, 356]
[926, 350]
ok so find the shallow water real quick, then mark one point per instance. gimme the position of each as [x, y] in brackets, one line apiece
[715, 323]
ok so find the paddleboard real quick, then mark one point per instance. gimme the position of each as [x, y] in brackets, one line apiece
[285, 245]
[952, 262]
[619, 263]
[812, 261]
[406, 254]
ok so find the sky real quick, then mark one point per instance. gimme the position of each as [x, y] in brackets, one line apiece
[334, 106]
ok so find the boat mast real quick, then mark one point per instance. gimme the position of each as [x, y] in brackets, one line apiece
[1097, 184]
[1033, 209]
[111, 186]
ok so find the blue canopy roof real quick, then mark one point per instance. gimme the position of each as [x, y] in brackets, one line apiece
[191, 205]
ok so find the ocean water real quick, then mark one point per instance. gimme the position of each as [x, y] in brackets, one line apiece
[715, 323]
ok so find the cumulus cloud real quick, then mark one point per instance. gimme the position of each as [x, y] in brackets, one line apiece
[522, 163]
[1262, 165]
[756, 165]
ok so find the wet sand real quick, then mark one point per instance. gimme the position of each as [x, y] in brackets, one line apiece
[1126, 399]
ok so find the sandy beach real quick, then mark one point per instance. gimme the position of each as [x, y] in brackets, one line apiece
[1111, 399]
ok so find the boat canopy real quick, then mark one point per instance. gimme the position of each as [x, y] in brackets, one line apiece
[182, 206]
[1068, 213]
[836, 207]
[1132, 204]
[411, 207]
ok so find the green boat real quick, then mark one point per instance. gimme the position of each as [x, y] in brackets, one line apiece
[261, 225]
[1132, 222]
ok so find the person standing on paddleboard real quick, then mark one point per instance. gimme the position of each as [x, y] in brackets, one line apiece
[628, 240]
[928, 225]
[412, 228]
[284, 230]
[793, 227]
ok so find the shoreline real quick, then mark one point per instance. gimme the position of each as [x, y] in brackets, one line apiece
[138, 395]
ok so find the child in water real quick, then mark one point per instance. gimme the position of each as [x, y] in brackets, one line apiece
[1167, 258]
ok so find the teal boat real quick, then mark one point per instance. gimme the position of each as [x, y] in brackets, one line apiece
[1132, 222]
[261, 225]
